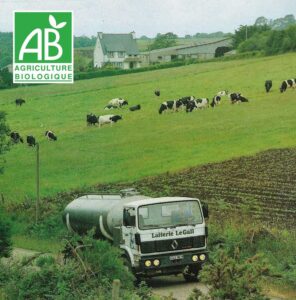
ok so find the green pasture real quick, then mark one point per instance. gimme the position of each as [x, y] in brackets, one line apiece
[145, 143]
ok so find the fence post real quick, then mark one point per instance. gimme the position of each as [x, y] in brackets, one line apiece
[115, 289]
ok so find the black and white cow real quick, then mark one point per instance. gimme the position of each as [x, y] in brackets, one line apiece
[289, 83]
[16, 138]
[50, 135]
[31, 141]
[19, 102]
[185, 100]
[118, 102]
[236, 98]
[197, 104]
[215, 101]
[172, 105]
[222, 93]
[108, 119]
[157, 93]
[268, 85]
[135, 107]
[91, 119]
[110, 106]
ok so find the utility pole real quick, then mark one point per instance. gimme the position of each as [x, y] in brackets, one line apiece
[37, 182]
[246, 32]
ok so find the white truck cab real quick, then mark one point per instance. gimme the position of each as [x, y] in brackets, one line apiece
[158, 236]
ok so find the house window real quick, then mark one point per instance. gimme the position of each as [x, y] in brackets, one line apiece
[117, 64]
[110, 54]
[121, 54]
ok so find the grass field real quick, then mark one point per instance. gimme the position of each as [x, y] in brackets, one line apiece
[146, 143]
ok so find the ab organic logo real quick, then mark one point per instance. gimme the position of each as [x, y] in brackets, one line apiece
[43, 47]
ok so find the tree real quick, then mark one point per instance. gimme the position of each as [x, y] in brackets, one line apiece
[4, 143]
[271, 42]
[84, 41]
[80, 63]
[5, 79]
[5, 49]
[261, 21]
[144, 37]
[283, 23]
[5, 236]
[245, 32]
[164, 41]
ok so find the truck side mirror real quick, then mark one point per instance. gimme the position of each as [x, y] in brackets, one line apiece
[129, 218]
[205, 210]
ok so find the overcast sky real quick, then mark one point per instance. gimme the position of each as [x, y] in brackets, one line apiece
[148, 17]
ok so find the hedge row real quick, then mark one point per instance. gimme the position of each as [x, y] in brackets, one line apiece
[7, 83]
[178, 63]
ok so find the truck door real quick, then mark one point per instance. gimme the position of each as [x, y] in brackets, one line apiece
[129, 228]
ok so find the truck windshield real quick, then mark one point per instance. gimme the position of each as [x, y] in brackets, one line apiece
[170, 214]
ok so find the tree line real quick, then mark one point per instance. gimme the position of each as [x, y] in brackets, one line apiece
[263, 38]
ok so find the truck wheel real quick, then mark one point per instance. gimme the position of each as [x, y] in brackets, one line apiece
[128, 267]
[127, 264]
[190, 274]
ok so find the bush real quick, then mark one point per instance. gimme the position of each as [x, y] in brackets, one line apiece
[50, 227]
[231, 278]
[105, 261]
[234, 234]
[88, 275]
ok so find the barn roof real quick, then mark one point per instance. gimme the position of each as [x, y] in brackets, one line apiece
[118, 42]
[191, 45]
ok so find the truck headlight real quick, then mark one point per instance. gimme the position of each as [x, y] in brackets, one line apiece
[156, 262]
[202, 257]
[194, 258]
[148, 263]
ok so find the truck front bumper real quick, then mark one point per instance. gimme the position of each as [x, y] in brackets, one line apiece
[173, 263]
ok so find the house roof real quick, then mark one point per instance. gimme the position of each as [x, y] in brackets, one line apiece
[118, 42]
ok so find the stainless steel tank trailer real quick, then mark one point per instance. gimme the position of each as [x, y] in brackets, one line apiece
[158, 236]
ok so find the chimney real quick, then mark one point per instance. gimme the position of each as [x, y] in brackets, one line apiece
[100, 35]
[133, 34]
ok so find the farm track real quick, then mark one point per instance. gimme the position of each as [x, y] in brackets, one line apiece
[263, 184]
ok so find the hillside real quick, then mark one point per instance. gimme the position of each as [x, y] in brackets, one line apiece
[145, 143]
[263, 185]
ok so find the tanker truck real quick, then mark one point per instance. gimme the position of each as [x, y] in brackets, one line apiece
[157, 236]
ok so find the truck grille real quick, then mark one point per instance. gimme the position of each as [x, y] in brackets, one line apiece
[173, 244]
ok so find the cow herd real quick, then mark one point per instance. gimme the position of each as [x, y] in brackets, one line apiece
[117, 103]
[188, 103]
[31, 140]
[289, 83]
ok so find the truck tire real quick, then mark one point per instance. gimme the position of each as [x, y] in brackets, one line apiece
[127, 264]
[129, 268]
[190, 274]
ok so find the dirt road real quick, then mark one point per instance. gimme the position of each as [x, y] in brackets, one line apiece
[176, 286]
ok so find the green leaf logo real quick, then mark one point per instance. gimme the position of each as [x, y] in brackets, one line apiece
[53, 23]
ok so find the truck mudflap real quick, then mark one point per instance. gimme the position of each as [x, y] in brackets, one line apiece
[170, 263]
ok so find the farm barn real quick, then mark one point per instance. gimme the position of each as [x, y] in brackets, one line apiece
[120, 50]
[195, 50]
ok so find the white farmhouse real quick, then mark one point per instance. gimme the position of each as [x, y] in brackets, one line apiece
[120, 50]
